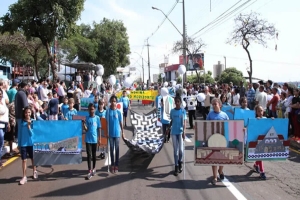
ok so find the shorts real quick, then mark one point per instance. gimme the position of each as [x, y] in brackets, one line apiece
[27, 152]
[125, 110]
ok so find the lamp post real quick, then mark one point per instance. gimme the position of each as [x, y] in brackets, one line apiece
[225, 61]
[183, 35]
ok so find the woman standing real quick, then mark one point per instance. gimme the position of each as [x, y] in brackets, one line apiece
[178, 119]
[295, 113]
[217, 114]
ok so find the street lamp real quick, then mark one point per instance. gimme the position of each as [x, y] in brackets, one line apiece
[225, 61]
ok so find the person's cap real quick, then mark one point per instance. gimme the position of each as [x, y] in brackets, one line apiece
[16, 81]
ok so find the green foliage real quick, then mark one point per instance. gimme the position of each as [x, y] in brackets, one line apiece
[204, 78]
[16, 48]
[231, 75]
[104, 43]
[179, 79]
[44, 20]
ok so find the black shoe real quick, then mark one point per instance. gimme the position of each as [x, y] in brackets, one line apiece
[179, 167]
[176, 171]
[222, 177]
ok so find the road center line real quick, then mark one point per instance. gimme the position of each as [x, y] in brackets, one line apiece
[233, 190]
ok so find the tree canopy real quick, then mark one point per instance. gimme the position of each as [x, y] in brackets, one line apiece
[231, 74]
[207, 78]
[44, 20]
[249, 28]
[103, 43]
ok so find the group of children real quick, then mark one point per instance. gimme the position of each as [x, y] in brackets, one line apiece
[92, 126]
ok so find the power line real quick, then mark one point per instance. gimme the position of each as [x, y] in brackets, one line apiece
[215, 19]
[228, 16]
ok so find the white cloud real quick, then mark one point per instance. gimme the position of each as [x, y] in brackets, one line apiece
[126, 12]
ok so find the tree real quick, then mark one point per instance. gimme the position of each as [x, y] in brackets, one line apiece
[231, 74]
[45, 20]
[204, 78]
[192, 46]
[16, 48]
[249, 28]
[104, 43]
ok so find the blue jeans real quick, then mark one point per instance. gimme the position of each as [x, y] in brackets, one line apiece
[114, 145]
[178, 148]
[1, 141]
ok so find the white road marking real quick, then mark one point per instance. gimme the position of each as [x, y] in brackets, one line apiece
[233, 190]
[187, 139]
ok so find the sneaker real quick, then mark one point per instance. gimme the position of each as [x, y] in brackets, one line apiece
[256, 168]
[93, 172]
[35, 175]
[23, 180]
[214, 182]
[89, 176]
[112, 169]
[262, 176]
[116, 169]
[222, 176]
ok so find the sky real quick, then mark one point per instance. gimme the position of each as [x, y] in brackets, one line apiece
[142, 22]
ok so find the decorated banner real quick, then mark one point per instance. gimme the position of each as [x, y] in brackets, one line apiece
[158, 109]
[148, 137]
[84, 102]
[61, 144]
[267, 139]
[140, 95]
[243, 114]
[219, 142]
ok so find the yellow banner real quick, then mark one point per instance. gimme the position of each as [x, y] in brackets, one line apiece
[140, 95]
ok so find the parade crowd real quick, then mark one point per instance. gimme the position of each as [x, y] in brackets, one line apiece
[23, 102]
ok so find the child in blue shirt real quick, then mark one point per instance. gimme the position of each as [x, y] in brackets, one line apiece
[96, 99]
[65, 107]
[217, 114]
[101, 112]
[115, 128]
[71, 111]
[178, 120]
[92, 127]
[126, 105]
[25, 143]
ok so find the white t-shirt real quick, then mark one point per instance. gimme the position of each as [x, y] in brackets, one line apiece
[262, 99]
[228, 97]
[236, 100]
[4, 112]
[269, 97]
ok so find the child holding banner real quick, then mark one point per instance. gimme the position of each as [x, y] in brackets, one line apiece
[93, 126]
[115, 127]
[258, 165]
[126, 105]
[178, 120]
[25, 143]
[217, 114]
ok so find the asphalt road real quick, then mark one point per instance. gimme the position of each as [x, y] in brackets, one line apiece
[150, 177]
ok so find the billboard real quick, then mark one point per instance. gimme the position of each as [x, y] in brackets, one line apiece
[194, 61]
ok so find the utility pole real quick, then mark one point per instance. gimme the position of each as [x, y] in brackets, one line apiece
[143, 68]
[149, 80]
[225, 61]
[184, 40]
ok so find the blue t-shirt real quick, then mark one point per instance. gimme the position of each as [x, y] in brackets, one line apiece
[177, 117]
[212, 115]
[96, 105]
[70, 113]
[53, 106]
[25, 134]
[162, 120]
[64, 109]
[11, 94]
[114, 118]
[125, 101]
[100, 114]
[93, 124]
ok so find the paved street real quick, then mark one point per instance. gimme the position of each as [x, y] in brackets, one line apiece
[150, 177]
